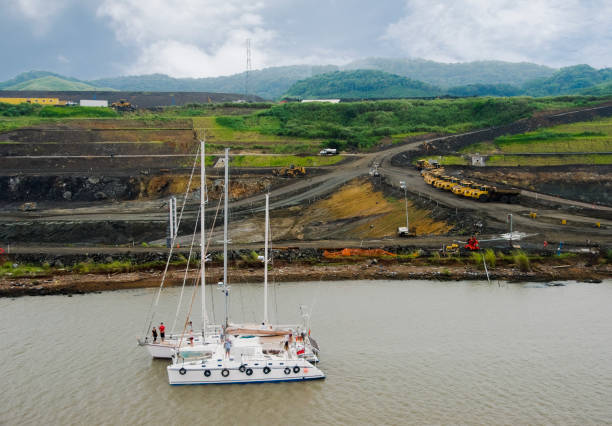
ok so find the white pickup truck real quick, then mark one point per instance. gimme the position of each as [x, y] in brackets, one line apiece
[328, 151]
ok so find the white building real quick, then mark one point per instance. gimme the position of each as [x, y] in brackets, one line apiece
[478, 160]
[93, 103]
[331, 101]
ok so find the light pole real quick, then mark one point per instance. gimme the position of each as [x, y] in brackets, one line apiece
[510, 221]
[403, 186]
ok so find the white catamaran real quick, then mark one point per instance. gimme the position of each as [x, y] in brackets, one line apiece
[245, 353]
[208, 333]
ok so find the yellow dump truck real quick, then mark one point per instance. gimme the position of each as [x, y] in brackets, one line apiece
[430, 178]
[491, 193]
[461, 187]
[427, 164]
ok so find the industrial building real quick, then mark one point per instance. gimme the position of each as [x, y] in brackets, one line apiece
[41, 101]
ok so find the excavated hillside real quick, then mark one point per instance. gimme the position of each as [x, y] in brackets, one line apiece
[358, 210]
[590, 184]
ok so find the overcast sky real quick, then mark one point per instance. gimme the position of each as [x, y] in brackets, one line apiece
[201, 38]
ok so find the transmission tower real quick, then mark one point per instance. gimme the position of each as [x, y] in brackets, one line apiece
[248, 68]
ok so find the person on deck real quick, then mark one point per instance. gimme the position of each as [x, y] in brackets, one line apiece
[228, 346]
[154, 333]
[162, 331]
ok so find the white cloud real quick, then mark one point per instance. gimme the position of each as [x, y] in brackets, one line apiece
[189, 38]
[542, 31]
[39, 12]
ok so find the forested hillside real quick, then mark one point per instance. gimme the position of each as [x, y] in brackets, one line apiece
[361, 84]
[457, 74]
[568, 80]
[372, 78]
[269, 83]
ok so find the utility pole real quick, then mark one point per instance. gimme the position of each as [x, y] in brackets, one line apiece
[403, 186]
[510, 221]
[248, 69]
[171, 222]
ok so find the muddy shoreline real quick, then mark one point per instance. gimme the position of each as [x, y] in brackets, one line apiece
[68, 284]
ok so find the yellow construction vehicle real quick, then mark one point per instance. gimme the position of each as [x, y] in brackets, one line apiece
[470, 190]
[291, 171]
[427, 165]
[440, 181]
[448, 185]
[430, 178]
[491, 193]
[123, 105]
[462, 186]
[451, 248]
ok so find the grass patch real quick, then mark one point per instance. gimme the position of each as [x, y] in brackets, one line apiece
[24, 270]
[7, 124]
[521, 260]
[548, 160]
[401, 137]
[449, 160]
[566, 255]
[587, 137]
[282, 160]
[244, 130]
[77, 111]
[489, 257]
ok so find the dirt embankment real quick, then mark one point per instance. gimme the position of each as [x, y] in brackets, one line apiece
[119, 188]
[144, 269]
[591, 184]
[366, 270]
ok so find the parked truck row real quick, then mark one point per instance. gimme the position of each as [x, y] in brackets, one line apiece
[434, 176]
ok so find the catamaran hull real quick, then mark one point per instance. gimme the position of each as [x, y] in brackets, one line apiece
[160, 351]
[166, 349]
[193, 375]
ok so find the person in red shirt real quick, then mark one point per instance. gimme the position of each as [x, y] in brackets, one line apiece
[162, 331]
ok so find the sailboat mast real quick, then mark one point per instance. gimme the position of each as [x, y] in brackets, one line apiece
[225, 238]
[203, 232]
[267, 224]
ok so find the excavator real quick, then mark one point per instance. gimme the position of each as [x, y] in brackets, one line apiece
[291, 171]
[123, 105]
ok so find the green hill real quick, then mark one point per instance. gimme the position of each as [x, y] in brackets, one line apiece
[26, 76]
[603, 89]
[44, 80]
[422, 78]
[485, 90]
[568, 80]
[53, 83]
[269, 83]
[360, 84]
[457, 74]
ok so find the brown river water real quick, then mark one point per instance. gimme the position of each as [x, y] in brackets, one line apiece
[412, 352]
